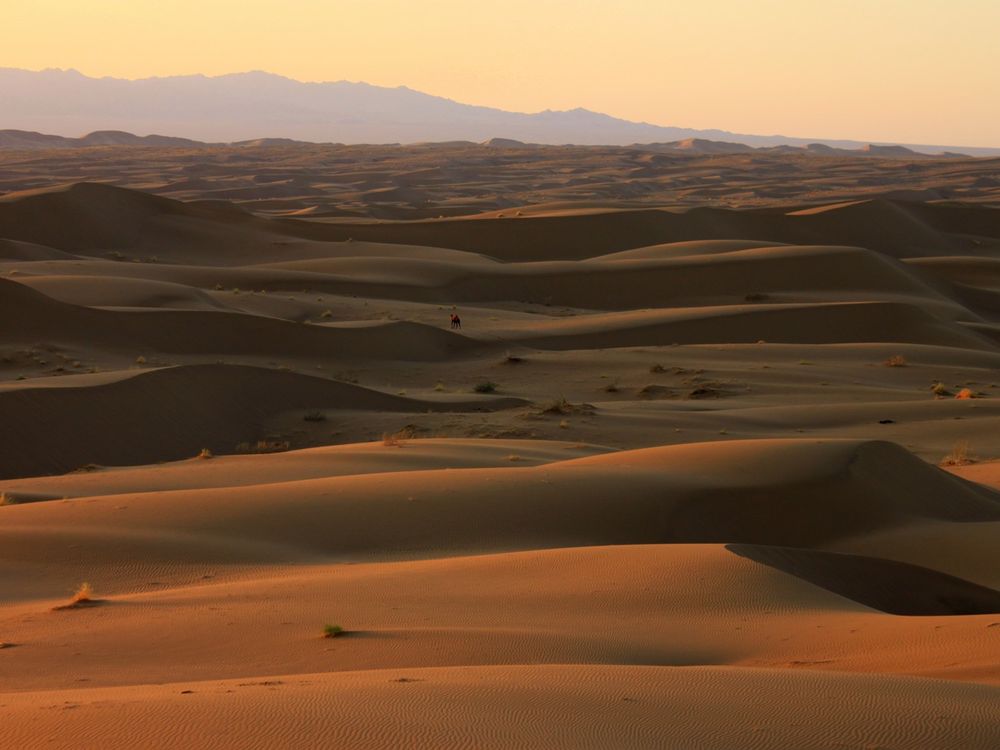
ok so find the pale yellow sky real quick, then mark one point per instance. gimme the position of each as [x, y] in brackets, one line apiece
[915, 71]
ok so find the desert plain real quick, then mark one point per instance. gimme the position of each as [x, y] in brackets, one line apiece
[710, 463]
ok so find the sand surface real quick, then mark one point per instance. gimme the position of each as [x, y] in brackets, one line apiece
[712, 462]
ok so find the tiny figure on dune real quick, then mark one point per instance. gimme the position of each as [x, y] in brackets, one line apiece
[456, 322]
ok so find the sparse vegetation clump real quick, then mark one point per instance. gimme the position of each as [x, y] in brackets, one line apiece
[6, 499]
[84, 593]
[82, 597]
[657, 369]
[315, 416]
[611, 387]
[487, 386]
[206, 453]
[896, 360]
[940, 390]
[557, 406]
[512, 359]
[333, 631]
[959, 455]
[966, 393]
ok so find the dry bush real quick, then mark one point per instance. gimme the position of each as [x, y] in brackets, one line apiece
[557, 406]
[940, 390]
[959, 455]
[611, 387]
[83, 593]
[83, 597]
[206, 453]
[966, 393]
[6, 499]
[656, 369]
[896, 360]
[485, 387]
[333, 631]
[512, 359]
[513, 457]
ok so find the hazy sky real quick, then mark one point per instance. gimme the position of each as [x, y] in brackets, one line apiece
[918, 71]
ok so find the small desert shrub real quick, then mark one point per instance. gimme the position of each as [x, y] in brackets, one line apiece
[140, 360]
[657, 369]
[611, 387]
[896, 360]
[439, 386]
[315, 416]
[485, 387]
[966, 393]
[512, 359]
[206, 453]
[557, 406]
[513, 457]
[326, 314]
[84, 593]
[564, 424]
[332, 631]
[959, 455]
[940, 390]
[6, 499]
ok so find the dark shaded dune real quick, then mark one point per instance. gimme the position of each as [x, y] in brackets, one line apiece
[21, 251]
[886, 226]
[886, 585]
[83, 216]
[89, 217]
[41, 318]
[173, 413]
[826, 323]
[434, 276]
[692, 280]
[969, 270]
[959, 218]
[94, 291]
[98, 219]
[893, 227]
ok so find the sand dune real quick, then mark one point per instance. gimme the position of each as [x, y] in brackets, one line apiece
[889, 586]
[212, 333]
[801, 493]
[673, 484]
[528, 707]
[792, 323]
[175, 412]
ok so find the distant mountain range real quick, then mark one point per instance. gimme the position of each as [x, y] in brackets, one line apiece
[245, 106]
